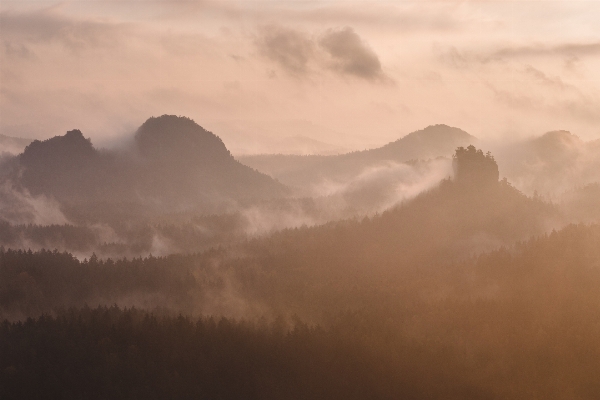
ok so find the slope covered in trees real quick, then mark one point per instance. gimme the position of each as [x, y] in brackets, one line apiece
[512, 323]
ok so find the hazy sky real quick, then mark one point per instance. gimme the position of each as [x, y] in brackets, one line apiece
[354, 74]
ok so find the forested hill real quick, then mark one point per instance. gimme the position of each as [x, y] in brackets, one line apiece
[174, 164]
[428, 143]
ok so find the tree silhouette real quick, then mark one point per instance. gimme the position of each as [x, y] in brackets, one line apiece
[472, 167]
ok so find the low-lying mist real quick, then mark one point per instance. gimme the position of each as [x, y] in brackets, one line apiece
[40, 221]
[550, 165]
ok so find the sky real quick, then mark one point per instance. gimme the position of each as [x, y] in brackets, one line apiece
[267, 75]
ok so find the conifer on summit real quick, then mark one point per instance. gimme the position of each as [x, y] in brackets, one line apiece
[472, 167]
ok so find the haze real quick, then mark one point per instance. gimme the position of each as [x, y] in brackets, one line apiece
[347, 74]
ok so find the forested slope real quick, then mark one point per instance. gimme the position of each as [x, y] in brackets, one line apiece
[511, 323]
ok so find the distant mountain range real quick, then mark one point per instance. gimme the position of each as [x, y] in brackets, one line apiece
[302, 171]
[173, 165]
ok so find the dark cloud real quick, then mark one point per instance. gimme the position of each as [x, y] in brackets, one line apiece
[351, 55]
[291, 49]
[341, 51]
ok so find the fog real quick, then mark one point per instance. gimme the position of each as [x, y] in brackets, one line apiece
[551, 164]
[20, 207]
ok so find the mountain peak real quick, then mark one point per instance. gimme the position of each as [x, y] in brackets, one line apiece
[71, 146]
[559, 144]
[74, 134]
[560, 136]
[440, 131]
[170, 137]
[430, 142]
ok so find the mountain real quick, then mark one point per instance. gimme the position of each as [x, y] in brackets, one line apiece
[173, 165]
[63, 166]
[433, 141]
[181, 161]
[302, 145]
[556, 148]
[171, 139]
[306, 171]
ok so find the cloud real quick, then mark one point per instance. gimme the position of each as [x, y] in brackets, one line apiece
[383, 185]
[339, 50]
[566, 50]
[401, 17]
[14, 50]
[47, 26]
[579, 107]
[351, 55]
[291, 49]
[553, 82]
[20, 207]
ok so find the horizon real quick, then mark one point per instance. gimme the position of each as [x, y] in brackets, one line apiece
[323, 149]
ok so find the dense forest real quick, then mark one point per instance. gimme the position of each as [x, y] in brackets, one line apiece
[130, 354]
[505, 324]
